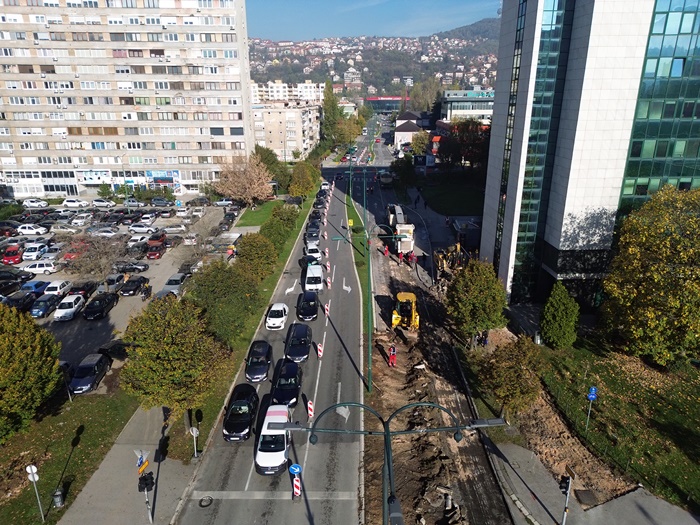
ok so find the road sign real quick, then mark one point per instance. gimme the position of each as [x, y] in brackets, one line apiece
[295, 469]
[592, 397]
[350, 223]
[178, 203]
[31, 469]
[139, 462]
[143, 467]
[194, 431]
[141, 455]
[571, 472]
[593, 390]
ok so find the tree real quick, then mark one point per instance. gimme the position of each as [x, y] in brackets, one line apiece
[423, 94]
[472, 139]
[287, 214]
[304, 177]
[104, 191]
[448, 153]
[560, 318]
[346, 130]
[332, 114]
[172, 357]
[257, 255]
[94, 255]
[278, 170]
[29, 371]
[244, 179]
[276, 232]
[420, 142]
[475, 299]
[511, 373]
[653, 288]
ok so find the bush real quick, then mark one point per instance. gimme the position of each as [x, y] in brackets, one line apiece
[9, 211]
[288, 215]
[257, 255]
[559, 319]
[276, 232]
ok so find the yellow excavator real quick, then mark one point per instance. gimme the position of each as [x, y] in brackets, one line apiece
[449, 259]
[405, 312]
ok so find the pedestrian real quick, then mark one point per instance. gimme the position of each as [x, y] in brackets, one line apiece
[392, 356]
[386, 250]
[400, 258]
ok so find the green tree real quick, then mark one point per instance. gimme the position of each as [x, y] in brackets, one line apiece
[560, 318]
[304, 177]
[511, 373]
[332, 114]
[365, 111]
[423, 94]
[172, 357]
[475, 300]
[257, 255]
[105, 191]
[277, 169]
[472, 139]
[287, 214]
[420, 142]
[276, 232]
[653, 288]
[29, 371]
[404, 170]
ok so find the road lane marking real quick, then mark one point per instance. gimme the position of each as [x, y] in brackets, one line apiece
[329, 312]
[337, 398]
[333, 276]
[250, 475]
[289, 290]
[318, 377]
[266, 495]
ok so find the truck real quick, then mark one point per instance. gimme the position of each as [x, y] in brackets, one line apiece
[394, 215]
[404, 240]
[386, 179]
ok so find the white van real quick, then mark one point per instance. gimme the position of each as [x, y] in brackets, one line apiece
[272, 451]
[314, 279]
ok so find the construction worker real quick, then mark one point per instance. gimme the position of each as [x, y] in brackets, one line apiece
[392, 356]
[386, 250]
[400, 258]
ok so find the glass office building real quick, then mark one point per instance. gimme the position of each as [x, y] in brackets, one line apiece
[595, 109]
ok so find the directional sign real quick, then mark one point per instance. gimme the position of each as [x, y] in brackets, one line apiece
[143, 467]
[295, 469]
[141, 455]
[350, 223]
[593, 390]
[571, 472]
[592, 397]
[178, 203]
[194, 431]
[139, 462]
[31, 469]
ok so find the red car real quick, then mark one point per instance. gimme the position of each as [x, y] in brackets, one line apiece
[155, 251]
[156, 239]
[13, 254]
[378, 141]
[344, 159]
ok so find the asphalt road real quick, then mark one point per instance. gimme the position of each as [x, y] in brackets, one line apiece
[331, 469]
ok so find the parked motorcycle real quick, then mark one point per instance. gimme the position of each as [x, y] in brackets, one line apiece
[146, 292]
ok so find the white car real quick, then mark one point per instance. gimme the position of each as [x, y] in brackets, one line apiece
[31, 229]
[182, 212]
[140, 227]
[34, 251]
[75, 203]
[63, 228]
[54, 251]
[44, 266]
[174, 284]
[191, 239]
[199, 211]
[148, 218]
[81, 219]
[175, 228]
[69, 307]
[135, 239]
[103, 203]
[325, 186]
[58, 287]
[277, 316]
[224, 202]
[314, 251]
[107, 232]
[34, 203]
[272, 452]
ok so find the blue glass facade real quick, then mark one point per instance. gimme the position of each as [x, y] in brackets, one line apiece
[665, 142]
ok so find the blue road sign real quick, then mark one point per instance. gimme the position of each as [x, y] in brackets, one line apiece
[139, 462]
[178, 203]
[591, 396]
[295, 469]
[593, 390]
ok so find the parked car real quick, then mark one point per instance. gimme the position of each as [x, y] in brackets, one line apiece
[107, 232]
[138, 251]
[59, 288]
[223, 202]
[13, 254]
[64, 228]
[44, 305]
[72, 202]
[100, 305]
[133, 286]
[133, 203]
[142, 227]
[309, 260]
[54, 251]
[81, 219]
[129, 267]
[89, 373]
[182, 212]
[103, 203]
[314, 251]
[36, 287]
[257, 363]
[8, 273]
[135, 239]
[21, 300]
[86, 289]
[167, 213]
[198, 201]
[276, 316]
[175, 228]
[161, 201]
[34, 251]
[198, 212]
[315, 215]
[272, 451]
[112, 283]
[297, 346]
[69, 307]
[286, 384]
[45, 266]
[174, 283]
[239, 417]
[191, 239]
[32, 229]
[8, 231]
[34, 203]
[319, 204]
[307, 306]
[155, 252]
[157, 238]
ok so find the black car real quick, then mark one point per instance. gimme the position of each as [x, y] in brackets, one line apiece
[44, 305]
[298, 344]
[8, 287]
[240, 413]
[307, 306]
[138, 250]
[286, 385]
[21, 300]
[10, 224]
[100, 306]
[130, 218]
[134, 285]
[14, 274]
[161, 201]
[173, 240]
[130, 267]
[89, 373]
[313, 224]
[315, 215]
[224, 226]
[198, 201]
[257, 363]
[312, 235]
[319, 204]
[308, 260]
[323, 194]
[85, 289]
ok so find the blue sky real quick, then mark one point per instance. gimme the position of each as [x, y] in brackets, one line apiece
[309, 19]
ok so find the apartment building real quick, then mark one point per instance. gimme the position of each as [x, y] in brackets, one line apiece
[278, 90]
[136, 92]
[288, 128]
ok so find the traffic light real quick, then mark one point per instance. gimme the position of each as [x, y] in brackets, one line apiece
[564, 484]
[146, 482]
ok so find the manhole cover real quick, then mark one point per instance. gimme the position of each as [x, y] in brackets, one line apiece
[586, 497]
[206, 501]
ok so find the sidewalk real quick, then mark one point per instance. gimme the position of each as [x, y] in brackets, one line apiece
[111, 495]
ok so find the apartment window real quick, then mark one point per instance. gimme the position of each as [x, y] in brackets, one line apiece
[163, 115]
[162, 85]
[157, 52]
[140, 84]
[190, 37]
[152, 20]
[229, 37]
[154, 37]
[158, 70]
[122, 70]
[129, 3]
[206, 20]
[196, 86]
[75, 131]
[162, 101]
[199, 115]
[133, 145]
[11, 2]
[217, 131]
[57, 37]
[171, 37]
[146, 131]
[208, 53]
[184, 160]
[133, 37]
[126, 101]
[142, 101]
[195, 70]
[230, 53]
[141, 115]
[215, 115]
[205, 3]
[180, 116]
[211, 70]
[226, 3]
[44, 160]
[151, 4]
[218, 145]
[120, 53]
[174, 70]
[197, 101]
[235, 116]
[178, 101]
[167, 145]
[135, 53]
[113, 37]
[138, 70]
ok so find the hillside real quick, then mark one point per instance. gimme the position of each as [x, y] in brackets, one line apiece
[488, 28]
